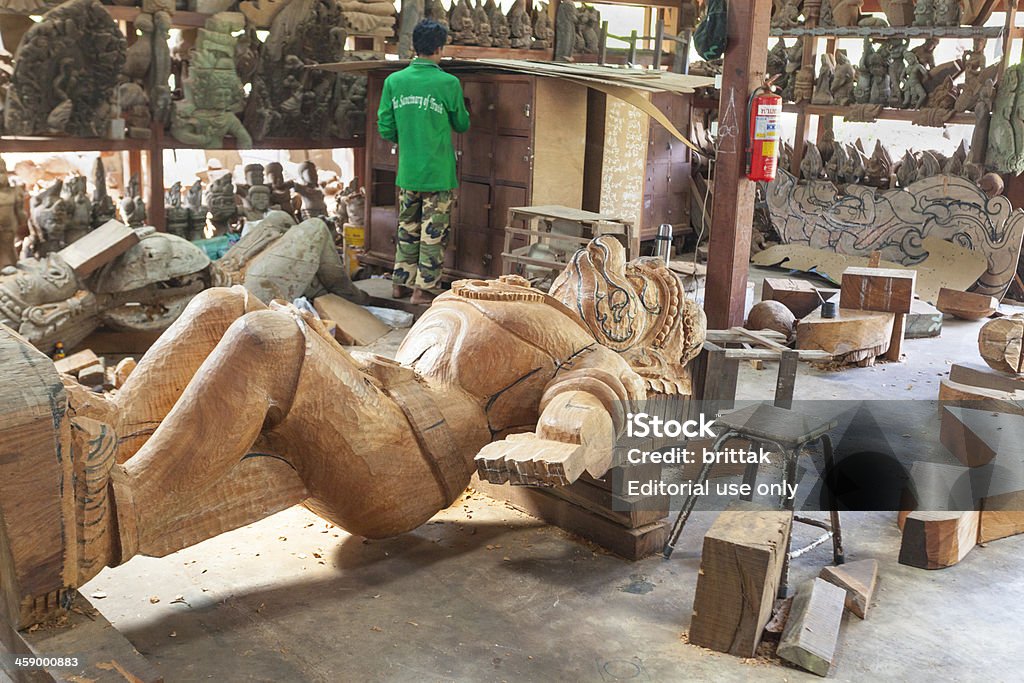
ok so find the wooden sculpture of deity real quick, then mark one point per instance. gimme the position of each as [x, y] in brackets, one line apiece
[495, 377]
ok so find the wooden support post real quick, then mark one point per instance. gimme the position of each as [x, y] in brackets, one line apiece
[602, 44]
[631, 59]
[658, 43]
[155, 156]
[786, 382]
[732, 211]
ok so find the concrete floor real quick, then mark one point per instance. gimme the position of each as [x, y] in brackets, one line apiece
[485, 593]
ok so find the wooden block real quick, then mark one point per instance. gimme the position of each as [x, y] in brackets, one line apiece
[92, 376]
[799, 296]
[984, 377]
[631, 512]
[812, 630]
[877, 289]
[1001, 516]
[966, 305]
[105, 656]
[924, 320]
[613, 480]
[355, 324]
[123, 370]
[632, 544]
[858, 579]
[739, 576]
[70, 365]
[852, 336]
[99, 247]
[951, 393]
[935, 540]
[896, 340]
[1001, 343]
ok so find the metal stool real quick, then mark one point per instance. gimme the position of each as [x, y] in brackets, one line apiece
[786, 432]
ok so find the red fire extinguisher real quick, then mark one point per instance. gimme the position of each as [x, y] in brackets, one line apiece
[763, 112]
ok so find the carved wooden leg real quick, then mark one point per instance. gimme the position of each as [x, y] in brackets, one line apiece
[163, 373]
[244, 386]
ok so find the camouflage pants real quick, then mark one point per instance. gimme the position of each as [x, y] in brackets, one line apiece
[424, 219]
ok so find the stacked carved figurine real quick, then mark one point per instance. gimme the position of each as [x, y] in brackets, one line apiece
[154, 470]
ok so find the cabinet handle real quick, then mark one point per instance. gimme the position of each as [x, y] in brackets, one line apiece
[526, 110]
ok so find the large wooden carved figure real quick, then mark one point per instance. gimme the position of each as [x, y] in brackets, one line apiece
[494, 372]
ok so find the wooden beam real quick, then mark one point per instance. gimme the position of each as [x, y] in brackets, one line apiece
[812, 630]
[732, 210]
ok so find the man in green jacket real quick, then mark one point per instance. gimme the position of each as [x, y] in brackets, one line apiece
[420, 106]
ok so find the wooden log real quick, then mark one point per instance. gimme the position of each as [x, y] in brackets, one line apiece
[952, 393]
[812, 630]
[935, 540]
[740, 567]
[886, 290]
[99, 247]
[1000, 343]
[93, 376]
[852, 336]
[72, 364]
[924, 320]
[858, 579]
[966, 305]
[978, 375]
[354, 324]
[1001, 516]
[799, 296]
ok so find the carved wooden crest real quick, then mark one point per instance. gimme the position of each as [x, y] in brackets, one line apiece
[896, 222]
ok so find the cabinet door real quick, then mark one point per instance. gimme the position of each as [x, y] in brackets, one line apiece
[514, 104]
[473, 207]
[512, 159]
[474, 254]
[505, 198]
[477, 156]
[383, 230]
[482, 107]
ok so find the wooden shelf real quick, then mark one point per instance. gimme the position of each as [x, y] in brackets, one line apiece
[69, 144]
[476, 52]
[912, 32]
[886, 113]
[179, 19]
[275, 143]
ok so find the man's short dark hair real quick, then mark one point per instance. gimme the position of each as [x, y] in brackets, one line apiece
[428, 37]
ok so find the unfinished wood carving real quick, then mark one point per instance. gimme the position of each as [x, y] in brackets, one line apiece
[373, 445]
[1001, 343]
[896, 222]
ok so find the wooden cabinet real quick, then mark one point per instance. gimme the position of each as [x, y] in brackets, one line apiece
[525, 147]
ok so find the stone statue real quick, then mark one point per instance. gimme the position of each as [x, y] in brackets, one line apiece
[287, 99]
[280, 189]
[46, 302]
[914, 94]
[139, 54]
[924, 13]
[590, 30]
[776, 63]
[897, 70]
[375, 446]
[835, 165]
[135, 110]
[853, 168]
[483, 25]
[257, 203]
[803, 89]
[221, 207]
[825, 18]
[946, 12]
[103, 208]
[982, 121]
[975, 75]
[157, 80]
[413, 11]
[48, 220]
[519, 25]
[907, 174]
[65, 74]
[133, 209]
[823, 84]
[308, 190]
[213, 91]
[436, 11]
[565, 31]
[862, 91]
[350, 114]
[76, 196]
[881, 88]
[925, 53]
[788, 15]
[543, 33]
[177, 215]
[846, 12]
[12, 216]
[501, 34]
[196, 211]
[811, 166]
[794, 60]
[462, 24]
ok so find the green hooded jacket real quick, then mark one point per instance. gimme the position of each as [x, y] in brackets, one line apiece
[420, 106]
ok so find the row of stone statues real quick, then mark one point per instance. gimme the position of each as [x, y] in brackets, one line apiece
[228, 207]
[849, 164]
[74, 74]
[790, 14]
[890, 74]
[482, 24]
